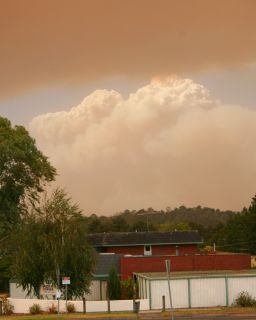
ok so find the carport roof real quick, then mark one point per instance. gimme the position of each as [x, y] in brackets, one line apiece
[197, 274]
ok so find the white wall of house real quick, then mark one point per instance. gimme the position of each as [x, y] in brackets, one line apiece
[196, 292]
[17, 292]
[98, 291]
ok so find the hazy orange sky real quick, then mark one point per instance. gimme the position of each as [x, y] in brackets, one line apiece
[140, 142]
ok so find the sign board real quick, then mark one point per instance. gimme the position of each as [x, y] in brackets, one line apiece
[66, 280]
[48, 289]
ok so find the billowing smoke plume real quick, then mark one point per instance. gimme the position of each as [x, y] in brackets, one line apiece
[170, 143]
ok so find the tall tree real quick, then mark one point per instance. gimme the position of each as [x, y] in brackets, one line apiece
[51, 243]
[239, 232]
[113, 285]
[24, 171]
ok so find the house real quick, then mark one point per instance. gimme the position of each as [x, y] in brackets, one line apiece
[147, 252]
[146, 243]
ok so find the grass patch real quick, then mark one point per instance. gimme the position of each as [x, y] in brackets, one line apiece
[64, 316]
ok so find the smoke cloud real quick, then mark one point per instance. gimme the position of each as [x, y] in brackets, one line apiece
[45, 43]
[169, 143]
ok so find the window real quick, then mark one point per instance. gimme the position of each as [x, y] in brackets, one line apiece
[147, 250]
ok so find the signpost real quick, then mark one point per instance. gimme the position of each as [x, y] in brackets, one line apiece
[58, 296]
[66, 281]
[168, 268]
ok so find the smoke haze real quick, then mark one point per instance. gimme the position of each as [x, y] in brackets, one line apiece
[46, 43]
[169, 143]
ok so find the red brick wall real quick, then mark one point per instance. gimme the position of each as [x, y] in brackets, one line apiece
[156, 250]
[184, 263]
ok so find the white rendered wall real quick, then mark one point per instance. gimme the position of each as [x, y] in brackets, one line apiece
[23, 305]
[179, 292]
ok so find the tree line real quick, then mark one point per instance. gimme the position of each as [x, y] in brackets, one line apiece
[229, 231]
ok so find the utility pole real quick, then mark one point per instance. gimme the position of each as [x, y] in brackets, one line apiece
[168, 268]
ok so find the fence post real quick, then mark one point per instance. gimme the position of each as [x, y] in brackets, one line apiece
[163, 300]
[84, 305]
[108, 306]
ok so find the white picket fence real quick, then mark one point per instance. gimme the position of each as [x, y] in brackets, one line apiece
[23, 305]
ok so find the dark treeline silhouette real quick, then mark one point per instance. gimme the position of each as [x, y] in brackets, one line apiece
[207, 220]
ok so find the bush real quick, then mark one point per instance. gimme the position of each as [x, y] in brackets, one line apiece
[244, 300]
[129, 289]
[8, 308]
[35, 309]
[113, 285]
[71, 307]
[52, 309]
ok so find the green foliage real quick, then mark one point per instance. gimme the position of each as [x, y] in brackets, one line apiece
[244, 300]
[8, 308]
[238, 235]
[168, 226]
[140, 226]
[113, 285]
[71, 308]
[52, 309]
[182, 218]
[119, 224]
[129, 289]
[50, 244]
[35, 309]
[24, 170]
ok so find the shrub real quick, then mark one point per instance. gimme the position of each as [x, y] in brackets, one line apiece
[71, 307]
[35, 309]
[7, 307]
[244, 300]
[113, 285]
[52, 309]
[129, 289]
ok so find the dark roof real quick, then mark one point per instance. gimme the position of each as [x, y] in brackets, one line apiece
[105, 262]
[143, 238]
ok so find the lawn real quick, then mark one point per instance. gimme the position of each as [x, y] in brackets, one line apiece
[70, 316]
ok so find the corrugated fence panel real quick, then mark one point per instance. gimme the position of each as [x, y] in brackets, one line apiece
[208, 292]
[237, 285]
[179, 291]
